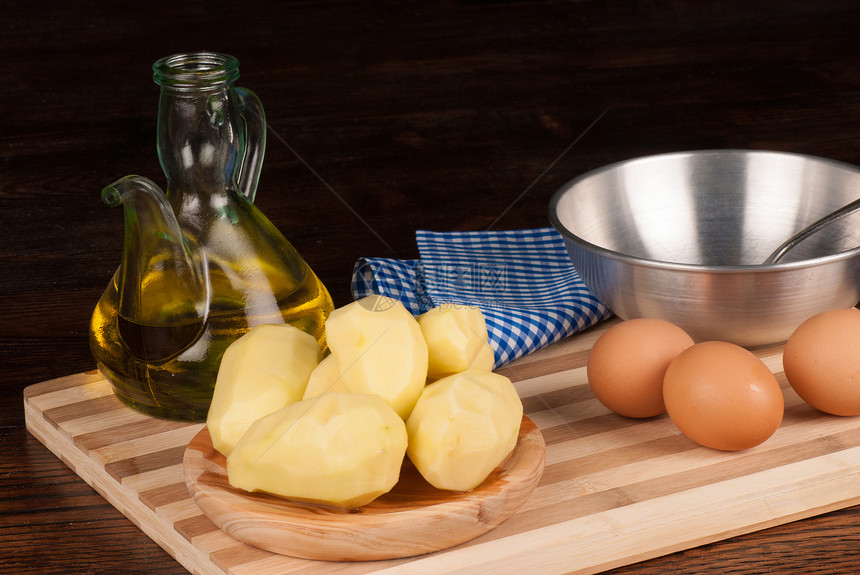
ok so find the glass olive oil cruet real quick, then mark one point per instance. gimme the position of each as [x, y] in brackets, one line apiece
[201, 264]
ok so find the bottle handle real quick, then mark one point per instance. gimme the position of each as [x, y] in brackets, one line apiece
[254, 127]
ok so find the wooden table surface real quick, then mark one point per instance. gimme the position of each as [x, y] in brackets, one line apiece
[385, 117]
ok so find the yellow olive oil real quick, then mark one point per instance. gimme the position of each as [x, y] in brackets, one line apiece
[170, 370]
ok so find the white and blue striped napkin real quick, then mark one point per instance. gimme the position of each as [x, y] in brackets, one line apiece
[522, 280]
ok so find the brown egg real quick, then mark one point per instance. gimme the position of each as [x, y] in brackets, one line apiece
[626, 365]
[722, 396]
[822, 361]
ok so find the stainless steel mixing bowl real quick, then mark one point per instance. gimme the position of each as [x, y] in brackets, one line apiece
[681, 237]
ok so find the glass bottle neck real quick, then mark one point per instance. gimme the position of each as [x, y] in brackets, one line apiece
[199, 142]
[199, 137]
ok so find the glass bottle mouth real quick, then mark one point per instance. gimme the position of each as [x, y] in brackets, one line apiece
[196, 70]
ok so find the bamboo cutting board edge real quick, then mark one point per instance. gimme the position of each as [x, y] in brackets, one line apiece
[65, 415]
[124, 499]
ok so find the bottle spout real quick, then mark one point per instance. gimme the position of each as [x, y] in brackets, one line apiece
[118, 192]
[137, 189]
[162, 282]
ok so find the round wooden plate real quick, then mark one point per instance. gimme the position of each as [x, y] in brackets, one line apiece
[412, 519]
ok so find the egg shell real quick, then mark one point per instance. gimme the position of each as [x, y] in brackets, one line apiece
[626, 365]
[722, 396]
[822, 361]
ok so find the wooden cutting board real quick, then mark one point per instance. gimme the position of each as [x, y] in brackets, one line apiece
[614, 491]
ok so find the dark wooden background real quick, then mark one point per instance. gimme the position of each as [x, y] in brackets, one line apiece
[385, 117]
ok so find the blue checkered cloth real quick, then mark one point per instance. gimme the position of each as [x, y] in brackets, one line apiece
[522, 280]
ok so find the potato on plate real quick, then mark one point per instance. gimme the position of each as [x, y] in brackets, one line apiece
[379, 349]
[261, 372]
[338, 449]
[463, 427]
[457, 339]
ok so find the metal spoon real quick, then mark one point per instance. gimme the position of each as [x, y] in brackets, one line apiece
[812, 228]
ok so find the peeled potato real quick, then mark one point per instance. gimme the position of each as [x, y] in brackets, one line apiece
[325, 378]
[463, 427]
[456, 338]
[379, 349]
[338, 449]
[261, 372]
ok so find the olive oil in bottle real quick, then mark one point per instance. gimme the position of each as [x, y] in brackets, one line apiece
[169, 371]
